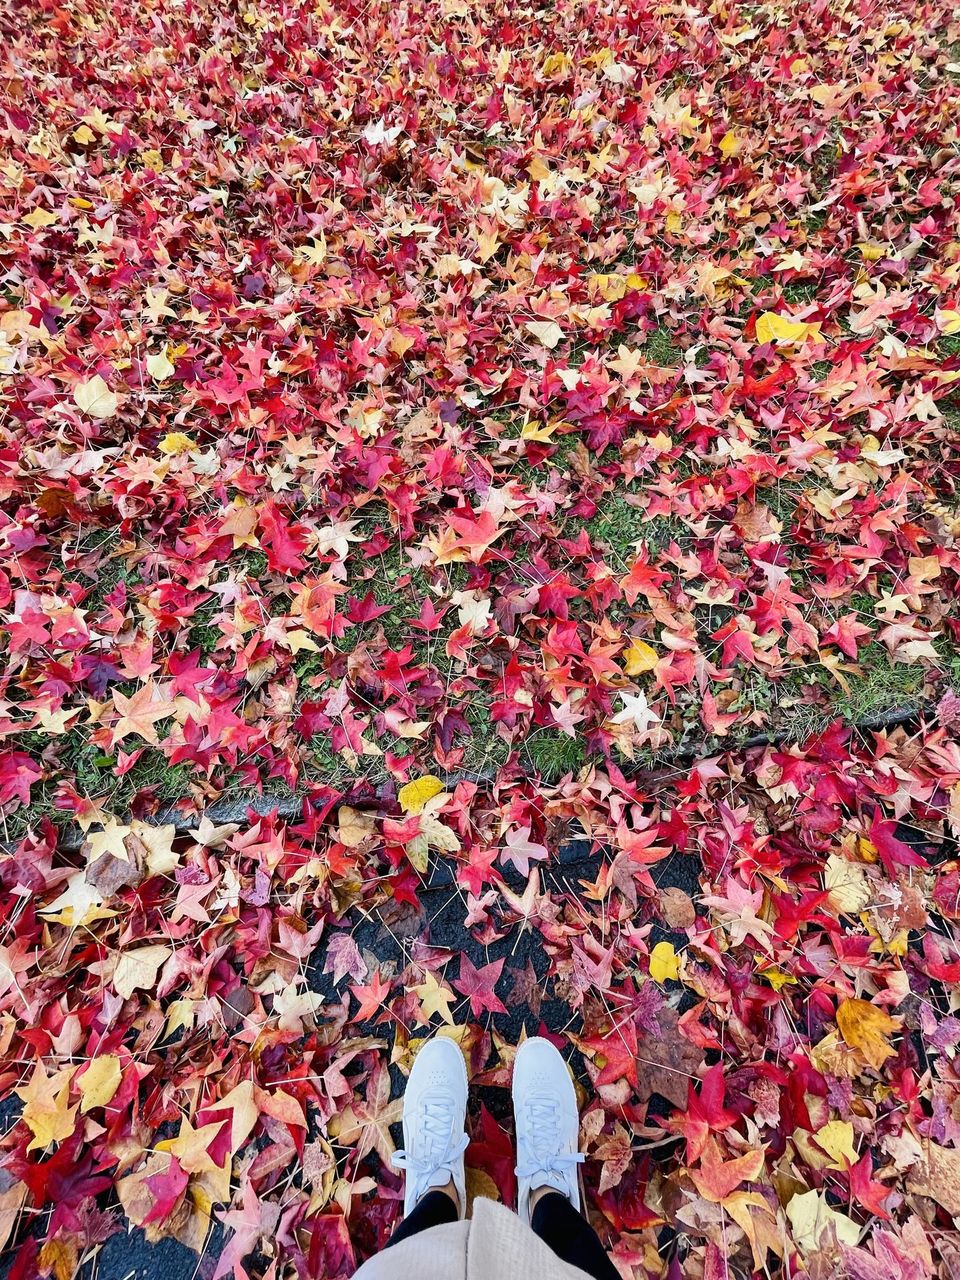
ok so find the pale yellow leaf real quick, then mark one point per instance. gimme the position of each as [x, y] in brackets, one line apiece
[810, 1215]
[418, 851]
[137, 970]
[95, 398]
[546, 332]
[299, 640]
[38, 218]
[846, 883]
[160, 366]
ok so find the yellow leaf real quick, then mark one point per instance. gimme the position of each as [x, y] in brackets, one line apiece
[556, 63]
[182, 1013]
[772, 327]
[810, 1215]
[38, 218]
[95, 398]
[535, 431]
[160, 366]
[846, 883]
[870, 251]
[137, 970]
[99, 1082]
[729, 145]
[547, 332]
[663, 962]
[639, 657]
[867, 849]
[84, 135]
[190, 1146]
[610, 287]
[777, 978]
[435, 999]
[865, 1027]
[46, 1112]
[175, 442]
[836, 1139]
[415, 794]
[948, 322]
[674, 222]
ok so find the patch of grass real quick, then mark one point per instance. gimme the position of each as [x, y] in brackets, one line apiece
[619, 524]
[661, 348]
[820, 369]
[801, 291]
[552, 754]
[883, 686]
[93, 771]
[204, 636]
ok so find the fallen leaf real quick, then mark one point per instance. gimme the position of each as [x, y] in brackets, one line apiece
[546, 332]
[937, 1175]
[810, 1216]
[46, 1111]
[137, 970]
[95, 398]
[664, 964]
[866, 1027]
[414, 795]
[99, 1081]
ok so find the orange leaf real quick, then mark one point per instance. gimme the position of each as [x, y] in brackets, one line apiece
[718, 1178]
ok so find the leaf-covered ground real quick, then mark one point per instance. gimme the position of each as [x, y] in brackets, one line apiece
[444, 421]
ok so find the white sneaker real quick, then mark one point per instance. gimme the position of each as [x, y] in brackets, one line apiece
[434, 1111]
[548, 1125]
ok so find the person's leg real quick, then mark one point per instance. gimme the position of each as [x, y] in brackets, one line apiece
[434, 1109]
[433, 1210]
[548, 1134]
[570, 1236]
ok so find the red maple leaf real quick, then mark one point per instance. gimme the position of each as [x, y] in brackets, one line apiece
[705, 1113]
[479, 985]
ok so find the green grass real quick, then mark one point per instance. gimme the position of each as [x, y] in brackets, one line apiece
[92, 771]
[619, 525]
[801, 291]
[553, 754]
[661, 348]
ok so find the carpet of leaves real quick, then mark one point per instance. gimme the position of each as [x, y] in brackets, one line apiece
[433, 425]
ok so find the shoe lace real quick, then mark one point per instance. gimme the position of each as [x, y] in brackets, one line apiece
[543, 1115]
[435, 1153]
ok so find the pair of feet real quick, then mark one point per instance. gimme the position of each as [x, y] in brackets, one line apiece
[434, 1113]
